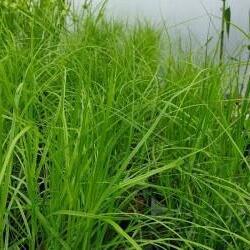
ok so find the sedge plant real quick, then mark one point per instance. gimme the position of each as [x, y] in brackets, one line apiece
[101, 150]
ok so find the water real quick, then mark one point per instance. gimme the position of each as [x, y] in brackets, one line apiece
[185, 18]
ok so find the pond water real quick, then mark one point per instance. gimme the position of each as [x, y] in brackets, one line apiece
[194, 21]
[184, 18]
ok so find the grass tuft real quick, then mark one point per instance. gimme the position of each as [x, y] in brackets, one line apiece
[108, 144]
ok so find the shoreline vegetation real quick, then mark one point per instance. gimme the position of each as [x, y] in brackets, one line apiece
[107, 144]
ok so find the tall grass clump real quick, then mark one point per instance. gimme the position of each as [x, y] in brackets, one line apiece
[106, 146]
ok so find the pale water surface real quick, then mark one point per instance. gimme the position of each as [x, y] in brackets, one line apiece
[184, 17]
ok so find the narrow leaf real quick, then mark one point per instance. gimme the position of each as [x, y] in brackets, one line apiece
[227, 17]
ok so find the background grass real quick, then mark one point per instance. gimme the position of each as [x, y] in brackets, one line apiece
[107, 145]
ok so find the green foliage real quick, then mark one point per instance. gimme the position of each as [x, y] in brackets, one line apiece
[227, 16]
[104, 145]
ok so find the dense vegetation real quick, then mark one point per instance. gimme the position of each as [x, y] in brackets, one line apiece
[108, 144]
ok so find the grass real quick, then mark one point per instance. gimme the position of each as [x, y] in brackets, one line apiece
[107, 145]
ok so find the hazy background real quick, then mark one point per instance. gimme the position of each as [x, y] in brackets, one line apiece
[184, 17]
